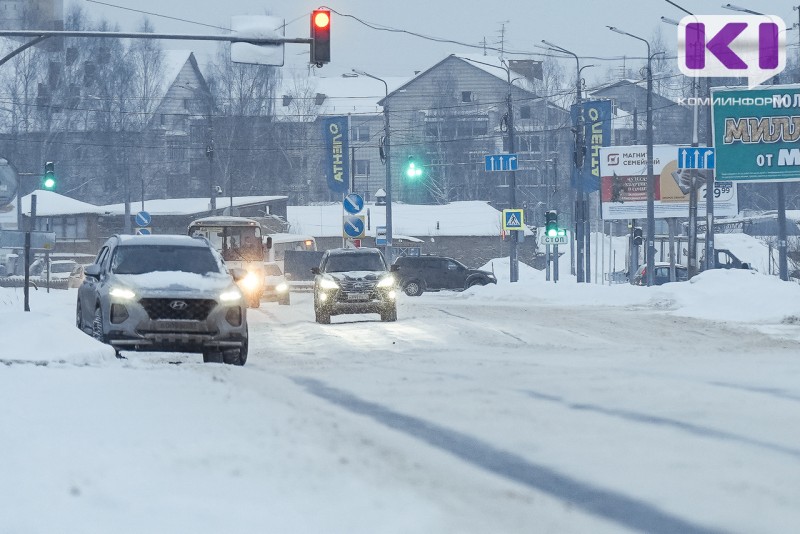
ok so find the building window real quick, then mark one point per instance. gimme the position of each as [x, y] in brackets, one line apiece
[525, 112]
[361, 167]
[187, 103]
[360, 133]
[163, 119]
[176, 150]
[529, 143]
[467, 96]
[69, 227]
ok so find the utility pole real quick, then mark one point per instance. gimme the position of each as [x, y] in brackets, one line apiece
[512, 193]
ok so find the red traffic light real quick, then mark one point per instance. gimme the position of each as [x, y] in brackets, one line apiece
[321, 18]
[320, 37]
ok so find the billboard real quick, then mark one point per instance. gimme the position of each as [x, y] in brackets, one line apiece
[337, 153]
[757, 133]
[623, 185]
[596, 134]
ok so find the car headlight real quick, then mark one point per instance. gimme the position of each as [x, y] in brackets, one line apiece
[231, 295]
[387, 281]
[250, 281]
[282, 287]
[327, 283]
[122, 293]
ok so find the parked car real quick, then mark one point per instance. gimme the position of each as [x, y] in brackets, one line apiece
[661, 274]
[59, 269]
[434, 273]
[354, 281]
[164, 293]
[275, 285]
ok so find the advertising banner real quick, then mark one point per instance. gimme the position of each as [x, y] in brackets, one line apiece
[596, 134]
[623, 188]
[757, 133]
[337, 163]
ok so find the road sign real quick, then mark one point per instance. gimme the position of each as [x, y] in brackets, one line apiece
[143, 218]
[16, 239]
[696, 158]
[353, 226]
[353, 203]
[357, 243]
[143, 231]
[501, 162]
[513, 219]
[554, 240]
[380, 236]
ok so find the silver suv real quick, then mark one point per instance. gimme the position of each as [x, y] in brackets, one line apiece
[354, 281]
[164, 293]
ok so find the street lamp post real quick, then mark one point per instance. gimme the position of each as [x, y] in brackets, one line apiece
[580, 205]
[651, 238]
[387, 152]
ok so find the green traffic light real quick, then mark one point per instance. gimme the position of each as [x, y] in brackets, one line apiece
[49, 183]
[552, 232]
[412, 171]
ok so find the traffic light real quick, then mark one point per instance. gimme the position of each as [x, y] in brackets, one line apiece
[637, 236]
[320, 37]
[412, 169]
[49, 177]
[551, 223]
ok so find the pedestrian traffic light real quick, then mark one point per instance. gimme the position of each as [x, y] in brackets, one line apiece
[412, 169]
[551, 223]
[49, 177]
[320, 37]
[637, 236]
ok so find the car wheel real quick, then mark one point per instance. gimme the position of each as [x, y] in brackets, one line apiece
[235, 356]
[413, 288]
[97, 326]
[390, 314]
[212, 356]
[322, 316]
[78, 317]
[477, 282]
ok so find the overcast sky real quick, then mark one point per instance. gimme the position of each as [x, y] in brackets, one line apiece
[578, 25]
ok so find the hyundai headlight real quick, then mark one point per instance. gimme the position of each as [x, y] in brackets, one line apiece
[387, 281]
[327, 283]
[231, 295]
[283, 287]
[122, 293]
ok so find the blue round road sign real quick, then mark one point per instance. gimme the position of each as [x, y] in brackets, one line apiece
[354, 226]
[353, 203]
[143, 218]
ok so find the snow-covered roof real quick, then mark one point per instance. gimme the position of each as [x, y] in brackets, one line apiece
[337, 95]
[467, 218]
[494, 66]
[49, 203]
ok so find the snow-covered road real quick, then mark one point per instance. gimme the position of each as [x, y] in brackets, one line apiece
[474, 412]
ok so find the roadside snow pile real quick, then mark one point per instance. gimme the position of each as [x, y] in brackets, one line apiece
[42, 336]
[737, 295]
[723, 294]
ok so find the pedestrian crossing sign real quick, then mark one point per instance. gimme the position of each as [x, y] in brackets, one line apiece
[513, 219]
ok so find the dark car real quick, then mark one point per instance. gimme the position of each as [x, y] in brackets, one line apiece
[661, 274]
[354, 281]
[434, 273]
[164, 293]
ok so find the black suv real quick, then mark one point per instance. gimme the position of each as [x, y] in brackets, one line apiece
[164, 293]
[434, 273]
[354, 281]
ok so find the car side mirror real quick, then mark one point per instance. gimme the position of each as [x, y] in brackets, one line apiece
[394, 268]
[93, 270]
[268, 244]
[238, 274]
[315, 270]
[745, 265]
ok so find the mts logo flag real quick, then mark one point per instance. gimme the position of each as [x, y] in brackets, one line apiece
[751, 46]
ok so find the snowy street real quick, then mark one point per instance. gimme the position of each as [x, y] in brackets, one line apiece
[501, 409]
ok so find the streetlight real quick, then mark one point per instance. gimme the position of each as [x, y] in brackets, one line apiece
[212, 189]
[581, 240]
[387, 152]
[651, 237]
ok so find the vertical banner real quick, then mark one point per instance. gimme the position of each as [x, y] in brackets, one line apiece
[596, 134]
[337, 165]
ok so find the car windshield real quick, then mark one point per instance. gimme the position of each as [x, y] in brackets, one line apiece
[338, 263]
[137, 259]
[272, 269]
